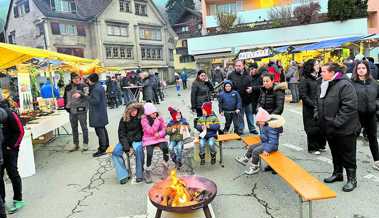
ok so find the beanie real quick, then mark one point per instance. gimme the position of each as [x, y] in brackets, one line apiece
[207, 106]
[93, 78]
[262, 115]
[149, 108]
[173, 113]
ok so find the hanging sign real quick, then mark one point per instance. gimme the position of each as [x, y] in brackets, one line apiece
[255, 54]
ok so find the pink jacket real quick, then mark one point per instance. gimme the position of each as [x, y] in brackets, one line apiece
[159, 126]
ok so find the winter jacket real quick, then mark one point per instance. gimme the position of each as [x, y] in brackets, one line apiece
[98, 115]
[308, 94]
[337, 111]
[270, 133]
[367, 92]
[177, 125]
[212, 123]
[200, 93]
[229, 101]
[292, 75]
[47, 91]
[240, 83]
[184, 76]
[3, 118]
[218, 76]
[373, 70]
[130, 128]
[272, 100]
[13, 130]
[256, 84]
[75, 105]
[113, 88]
[124, 83]
[149, 131]
[148, 93]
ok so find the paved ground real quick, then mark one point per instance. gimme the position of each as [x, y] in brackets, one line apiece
[75, 185]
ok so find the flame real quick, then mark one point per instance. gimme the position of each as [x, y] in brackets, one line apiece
[178, 191]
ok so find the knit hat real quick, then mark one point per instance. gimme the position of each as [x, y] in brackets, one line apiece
[173, 113]
[253, 65]
[149, 108]
[93, 78]
[74, 75]
[228, 82]
[207, 106]
[262, 115]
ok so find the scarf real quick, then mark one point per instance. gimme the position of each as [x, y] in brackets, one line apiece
[325, 85]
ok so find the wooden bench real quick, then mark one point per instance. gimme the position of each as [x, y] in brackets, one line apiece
[307, 186]
[220, 140]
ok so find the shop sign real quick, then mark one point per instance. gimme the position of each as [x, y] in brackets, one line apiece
[255, 54]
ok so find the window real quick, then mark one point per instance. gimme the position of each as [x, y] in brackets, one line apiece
[117, 29]
[118, 52]
[230, 8]
[12, 37]
[68, 29]
[150, 34]
[21, 8]
[79, 52]
[184, 43]
[151, 53]
[65, 6]
[184, 29]
[140, 9]
[124, 5]
[186, 59]
[171, 54]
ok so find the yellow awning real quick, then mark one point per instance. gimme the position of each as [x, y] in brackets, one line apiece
[11, 55]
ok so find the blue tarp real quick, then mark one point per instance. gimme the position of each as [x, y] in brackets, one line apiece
[333, 43]
[284, 48]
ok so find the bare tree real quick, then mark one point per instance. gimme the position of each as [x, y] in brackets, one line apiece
[282, 15]
[226, 21]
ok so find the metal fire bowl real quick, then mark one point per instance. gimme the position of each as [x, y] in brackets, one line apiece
[156, 192]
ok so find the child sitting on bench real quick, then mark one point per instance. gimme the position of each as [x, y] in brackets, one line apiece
[208, 126]
[270, 128]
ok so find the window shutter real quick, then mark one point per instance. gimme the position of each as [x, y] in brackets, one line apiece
[27, 7]
[81, 30]
[55, 28]
[15, 11]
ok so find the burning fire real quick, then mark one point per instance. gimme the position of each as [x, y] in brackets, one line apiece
[176, 194]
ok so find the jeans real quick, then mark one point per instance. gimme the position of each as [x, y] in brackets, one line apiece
[126, 96]
[212, 145]
[254, 152]
[102, 134]
[10, 164]
[82, 118]
[176, 150]
[231, 117]
[247, 111]
[177, 88]
[368, 122]
[294, 87]
[150, 152]
[119, 162]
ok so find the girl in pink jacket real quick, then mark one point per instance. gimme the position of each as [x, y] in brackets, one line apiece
[154, 134]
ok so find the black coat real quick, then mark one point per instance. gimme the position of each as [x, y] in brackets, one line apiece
[256, 84]
[272, 100]
[148, 92]
[13, 130]
[240, 83]
[200, 93]
[308, 90]
[374, 70]
[367, 92]
[129, 132]
[337, 112]
[98, 115]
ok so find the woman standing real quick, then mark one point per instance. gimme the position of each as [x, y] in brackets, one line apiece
[367, 92]
[272, 96]
[308, 94]
[337, 111]
[148, 92]
[200, 92]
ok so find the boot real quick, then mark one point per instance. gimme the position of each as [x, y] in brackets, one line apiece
[148, 178]
[71, 148]
[165, 170]
[213, 158]
[85, 147]
[337, 175]
[351, 180]
[202, 159]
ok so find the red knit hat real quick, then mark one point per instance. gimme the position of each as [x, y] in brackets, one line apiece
[173, 113]
[207, 106]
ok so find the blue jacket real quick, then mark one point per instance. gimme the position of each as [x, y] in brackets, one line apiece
[229, 101]
[270, 133]
[184, 76]
[213, 125]
[47, 91]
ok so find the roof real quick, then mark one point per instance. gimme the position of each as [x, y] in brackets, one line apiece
[86, 9]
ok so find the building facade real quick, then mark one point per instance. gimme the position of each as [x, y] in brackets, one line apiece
[120, 33]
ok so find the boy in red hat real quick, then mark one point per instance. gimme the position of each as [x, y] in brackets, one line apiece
[177, 128]
[208, 125]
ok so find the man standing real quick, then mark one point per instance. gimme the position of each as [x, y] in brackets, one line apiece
[184, 78]
[242, 84]
[77, 108]
[217, 76]
[125, 90]
[98, 117]
[256, 84]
